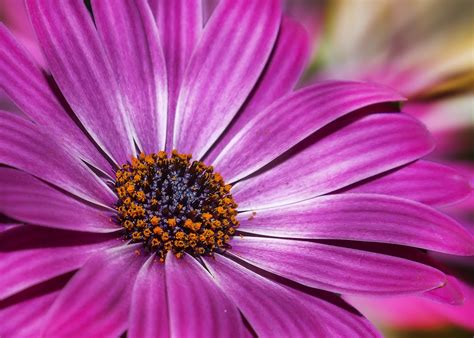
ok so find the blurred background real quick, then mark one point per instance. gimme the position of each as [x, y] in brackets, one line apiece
[425, 50]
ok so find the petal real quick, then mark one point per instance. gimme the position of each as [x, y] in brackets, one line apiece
[467, 170]
[15, 17]
[412, 312]
[270, 308]
[130, 37]
[28, 199]
[26, 319]
[82, 71]
[31, 254]
[22, 315]
[27, 85]
[149, 309]
[461, 315]
[5, 226]
[208, 7]
[218, 316]
[284, 68]
[341, 320]
[363, 217]
[26, 147]
[402, 312]
[334, 159]
[422, 181]
[451, 293]
[179, 24]
[450, 121]
[96, 301]
[223, 70]
[337, 269]
[274, 130]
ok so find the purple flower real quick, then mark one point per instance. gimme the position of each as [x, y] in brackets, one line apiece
[119, 234]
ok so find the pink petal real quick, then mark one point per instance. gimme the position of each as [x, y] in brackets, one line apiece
[96, 301]
[418, 312]
[223, 70]
[208, 7]
[331, 160]
[26, 84]
[10, 225]
[467, 170]
[273, 308]
[179, 24]
[451, 293]
[197, 307]
[422, 181]
[22, 315]
[82, 71]
[31, 254]
[337, 269]
[130, 37]
[149, 309]
[15, 17]
[363, 217]
[28, 199]
[460, 314]
[285, 66]
[26, 147]
[26, 319]
[274, 130]
[400, 312]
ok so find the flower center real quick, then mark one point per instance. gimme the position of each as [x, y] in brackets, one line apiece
[173, 204]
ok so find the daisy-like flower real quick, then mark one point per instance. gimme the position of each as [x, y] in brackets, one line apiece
[290, 198]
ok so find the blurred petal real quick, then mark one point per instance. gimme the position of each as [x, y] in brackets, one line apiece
[451, 293]
[460, 314]
[414, 312]
[15, 17]
[408, 50]
[451, 121]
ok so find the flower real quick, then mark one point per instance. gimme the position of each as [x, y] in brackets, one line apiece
[293, 197]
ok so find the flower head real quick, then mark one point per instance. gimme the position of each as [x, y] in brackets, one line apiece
[289, 199]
